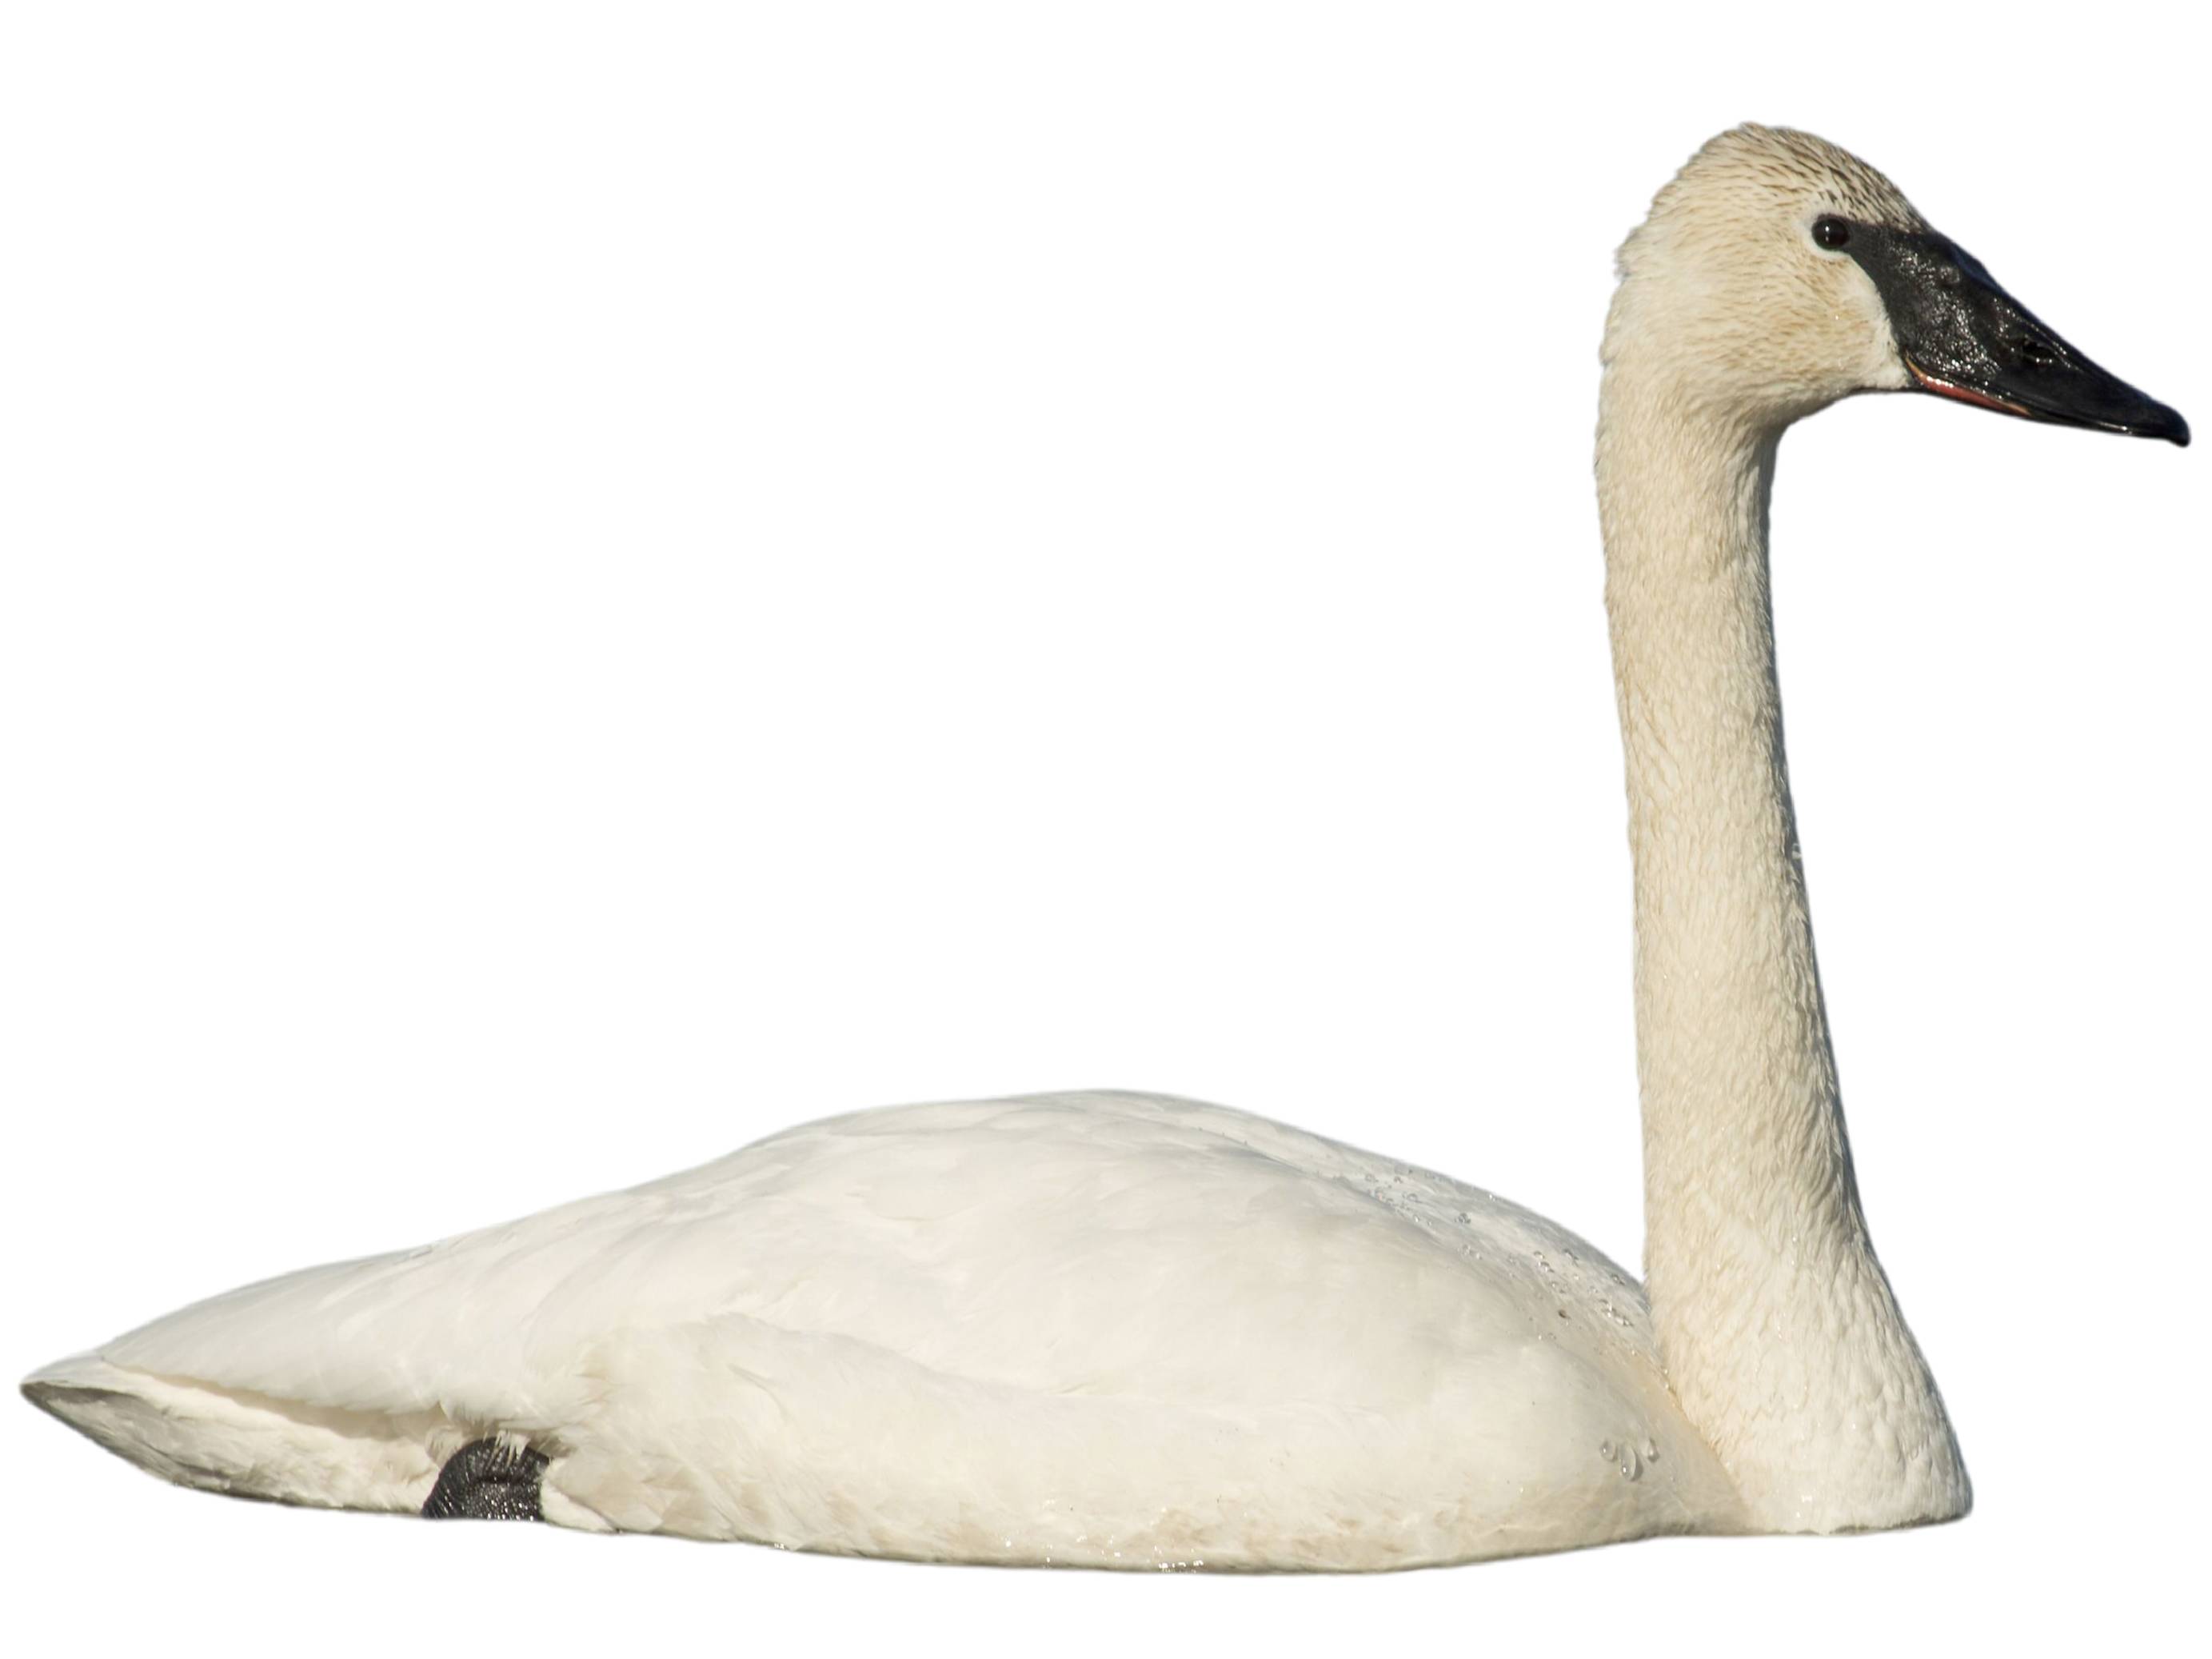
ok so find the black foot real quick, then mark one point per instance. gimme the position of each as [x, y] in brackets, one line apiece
[488, 1480]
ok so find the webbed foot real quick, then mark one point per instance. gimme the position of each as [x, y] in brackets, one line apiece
[488, 1480]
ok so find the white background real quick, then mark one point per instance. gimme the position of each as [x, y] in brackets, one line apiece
[583, 584]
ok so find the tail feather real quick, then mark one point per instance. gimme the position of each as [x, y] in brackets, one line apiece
[248, 1444]
[351, 1385]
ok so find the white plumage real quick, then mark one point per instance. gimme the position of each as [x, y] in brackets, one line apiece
[1128, 1330]
[1108, 1329]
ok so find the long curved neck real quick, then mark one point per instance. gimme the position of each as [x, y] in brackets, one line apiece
[1781, 1338]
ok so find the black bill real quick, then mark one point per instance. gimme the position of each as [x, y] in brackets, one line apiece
[1964, 336]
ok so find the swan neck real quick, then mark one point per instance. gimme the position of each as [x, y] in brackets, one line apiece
[1779, 1332]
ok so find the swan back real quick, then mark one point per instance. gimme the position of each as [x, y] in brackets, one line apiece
[1104, 1327]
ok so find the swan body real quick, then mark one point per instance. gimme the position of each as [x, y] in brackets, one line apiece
[1102, 1329]
[1128, 1330]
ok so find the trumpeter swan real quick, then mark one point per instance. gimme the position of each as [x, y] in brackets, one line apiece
[1130, 1330]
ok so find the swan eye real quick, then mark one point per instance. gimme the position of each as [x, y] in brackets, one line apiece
[1830, 232]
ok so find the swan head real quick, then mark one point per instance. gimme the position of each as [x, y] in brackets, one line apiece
[1777, 273]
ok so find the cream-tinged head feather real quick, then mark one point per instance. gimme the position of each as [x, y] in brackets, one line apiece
[1727, 301]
